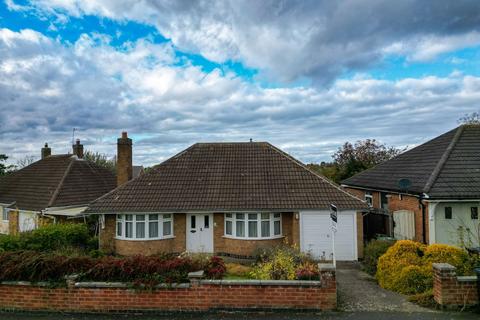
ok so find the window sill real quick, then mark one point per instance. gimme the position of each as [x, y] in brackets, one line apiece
[145, 239]
[253, 239]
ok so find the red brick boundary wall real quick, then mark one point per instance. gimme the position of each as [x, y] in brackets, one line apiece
[452, 290]
[198, 295]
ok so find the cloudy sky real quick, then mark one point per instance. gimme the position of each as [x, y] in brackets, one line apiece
[303, 75]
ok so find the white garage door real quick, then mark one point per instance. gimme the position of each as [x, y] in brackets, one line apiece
[316, 235]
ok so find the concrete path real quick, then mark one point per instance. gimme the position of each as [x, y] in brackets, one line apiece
[358, 291]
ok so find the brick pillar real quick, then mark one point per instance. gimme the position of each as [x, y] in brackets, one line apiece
[124, 159]
[296, 228]
[444, 283]
[329, 283]
[13, 222]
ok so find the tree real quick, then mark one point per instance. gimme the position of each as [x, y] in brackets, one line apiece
[25, 161]
[4, 168]
[364, 154]
[101, 160]
[472, 118]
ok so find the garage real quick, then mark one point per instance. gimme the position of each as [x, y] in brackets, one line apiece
[316, 235]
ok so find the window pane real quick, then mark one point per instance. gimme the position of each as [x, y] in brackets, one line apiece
[153, 217]
[119, 216]
[193, 220]
[140, 217]
[167, 228]
[5, 214]
[252, 229]
[140, 230]
[265, 216]
[276, 228]
[240, 229]
[119, 229]
[276, 215]
[207, 221]
[153, 229]
[129, 229]
[474, 213]
[167, 216]
[265, 228]
[228, 227]
[448, 212]
[240, 216]
[129, 217]
[252, 216]
[228, 215]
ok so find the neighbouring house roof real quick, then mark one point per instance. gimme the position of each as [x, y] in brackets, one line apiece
[137, 170]
[447, 167]
[226, 177]
[56, 181]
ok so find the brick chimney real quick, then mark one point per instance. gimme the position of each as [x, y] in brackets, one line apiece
[46, 151]
[78, 149]
[124, 159]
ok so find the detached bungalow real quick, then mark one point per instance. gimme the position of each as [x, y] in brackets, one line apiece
[431, 191]
[230, 199]
[57, 187]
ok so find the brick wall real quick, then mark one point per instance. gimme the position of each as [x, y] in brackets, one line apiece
[360, 243]
[450, 290]
[197, 296]
[13, 222]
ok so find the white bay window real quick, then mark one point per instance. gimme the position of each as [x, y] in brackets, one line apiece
[253, 225]
[144, 226]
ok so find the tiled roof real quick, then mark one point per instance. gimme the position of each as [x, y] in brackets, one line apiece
[59, 180]
[226, 176]
[446, 167]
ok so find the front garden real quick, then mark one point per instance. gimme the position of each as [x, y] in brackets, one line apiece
[52, 252]
[406, 266]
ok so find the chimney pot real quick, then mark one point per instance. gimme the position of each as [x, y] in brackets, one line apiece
[124, 159]
[78, 149]
[46, 151]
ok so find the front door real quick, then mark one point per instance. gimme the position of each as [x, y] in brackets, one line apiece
[200, 232]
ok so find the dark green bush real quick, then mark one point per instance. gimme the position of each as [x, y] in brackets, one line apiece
[374, 250]
[49, 238]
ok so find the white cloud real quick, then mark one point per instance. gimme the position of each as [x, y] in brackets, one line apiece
[47, 88]
[291, 40]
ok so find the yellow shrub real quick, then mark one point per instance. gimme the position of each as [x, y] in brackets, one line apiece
[406, 267]
[281, 266]
[402, 254]
[448, 254]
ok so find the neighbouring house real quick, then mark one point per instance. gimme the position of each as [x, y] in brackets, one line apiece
[229, 199]
[432, 192]
[55, 188]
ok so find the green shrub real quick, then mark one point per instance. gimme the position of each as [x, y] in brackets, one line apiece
[50, 237]
[373, 251]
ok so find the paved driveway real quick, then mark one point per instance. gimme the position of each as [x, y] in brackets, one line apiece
[358, 291]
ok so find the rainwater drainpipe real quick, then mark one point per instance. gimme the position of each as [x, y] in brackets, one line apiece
[422, 206]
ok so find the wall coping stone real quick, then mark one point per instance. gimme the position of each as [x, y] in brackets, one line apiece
[292, 283]
[325, 267]
[196, 274]
[467, 278]
[443, 266]
[26, 283]
[98, 284]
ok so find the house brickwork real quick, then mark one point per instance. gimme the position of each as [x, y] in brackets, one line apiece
[399, 202]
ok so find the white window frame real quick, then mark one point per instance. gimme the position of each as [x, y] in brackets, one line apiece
[369, 198]
[5, 213]
[120, 220]
[232, 218]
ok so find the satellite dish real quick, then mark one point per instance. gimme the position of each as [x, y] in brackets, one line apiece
[404, 184]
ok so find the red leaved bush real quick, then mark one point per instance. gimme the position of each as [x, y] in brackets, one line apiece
[147, 270]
